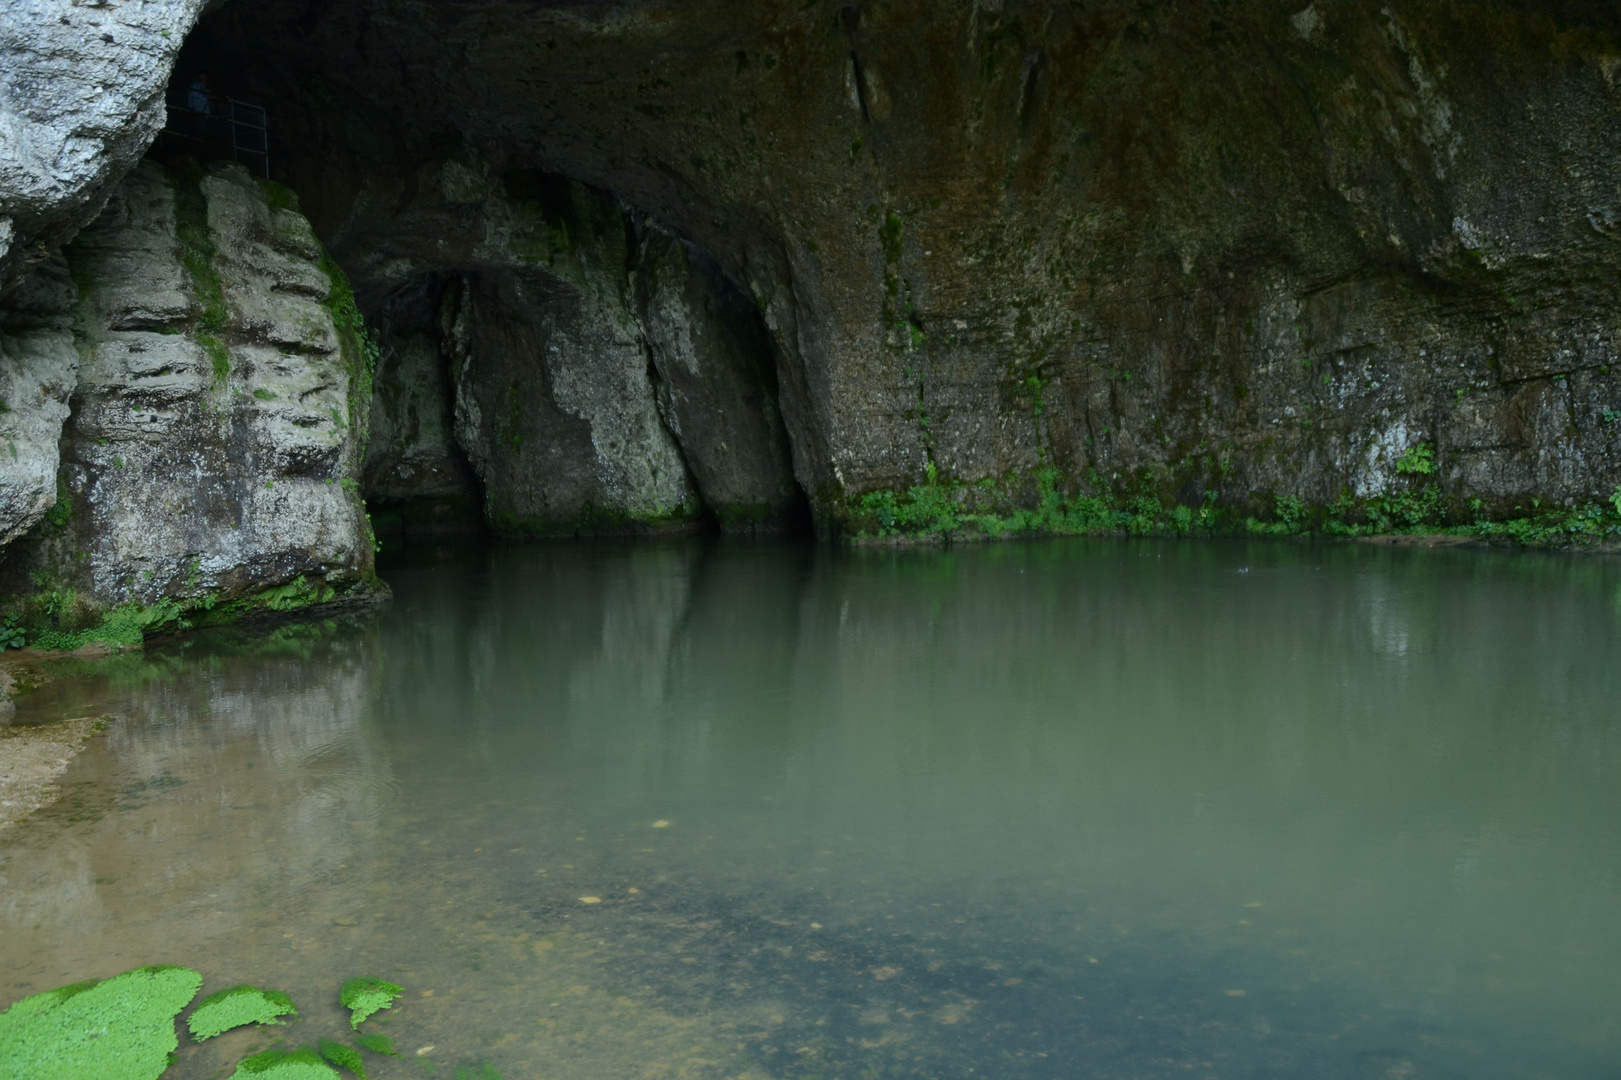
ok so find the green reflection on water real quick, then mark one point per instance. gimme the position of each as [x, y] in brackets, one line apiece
[1088, 808]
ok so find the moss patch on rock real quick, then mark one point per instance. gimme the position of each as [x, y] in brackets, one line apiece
[301, 1064]
[238, 1007]
[365, 996]
[122, 1027]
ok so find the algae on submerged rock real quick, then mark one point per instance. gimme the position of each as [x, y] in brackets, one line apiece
[238, 1007]
[121, 1028]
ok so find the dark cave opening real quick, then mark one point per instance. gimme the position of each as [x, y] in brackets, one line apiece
[552, 359]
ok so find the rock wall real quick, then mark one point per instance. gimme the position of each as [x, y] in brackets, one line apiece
[594, 374]
[81, 98]
[937, 265]
[219, 398]
[1222, 254]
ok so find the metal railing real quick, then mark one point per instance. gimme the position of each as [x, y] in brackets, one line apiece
[230, 128]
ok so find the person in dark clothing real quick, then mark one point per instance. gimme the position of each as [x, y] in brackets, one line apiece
[200, 97]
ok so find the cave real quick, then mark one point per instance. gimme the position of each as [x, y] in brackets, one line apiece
[931, 243]
[697, 540]
[882, 272]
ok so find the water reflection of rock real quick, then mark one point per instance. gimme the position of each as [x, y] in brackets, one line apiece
[222, 798]
[1116, 753]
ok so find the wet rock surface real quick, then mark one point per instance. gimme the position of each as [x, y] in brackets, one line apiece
[81, 98]
[1224, 252]
[212, 445]
[641, 268]
[33, 757]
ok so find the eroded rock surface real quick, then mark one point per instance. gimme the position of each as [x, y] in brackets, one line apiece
[81, 99]
[598, 378]
[1198, 259]
[209, 460]
[1204, 252]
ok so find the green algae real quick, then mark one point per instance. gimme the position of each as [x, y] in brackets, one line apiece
[237, 1007]
[344, 1057]
[301, 1064]
[197, 254]
[365, 996]
[481, 1071]
[377, 1044]
[121, 1028]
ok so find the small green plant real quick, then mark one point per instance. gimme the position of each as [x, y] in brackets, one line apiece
[1291, 512]
[1417, 460]
[377, 1044]
[344, 1057]
[122, 1027]
[61, 510]
[264, 395]
[238, 1007]
[1615, 501]
[301, 1064]
[12, 636]
[365, 996]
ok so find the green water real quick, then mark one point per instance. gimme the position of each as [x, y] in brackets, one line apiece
[1064, 810]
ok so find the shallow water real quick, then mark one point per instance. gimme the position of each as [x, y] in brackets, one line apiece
[1090, 809]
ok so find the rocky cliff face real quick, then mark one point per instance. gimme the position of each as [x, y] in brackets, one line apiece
[218, 411]
[81, 99]
[974, 266]
[1223, 255]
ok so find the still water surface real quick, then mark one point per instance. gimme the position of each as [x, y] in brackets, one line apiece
[1090, 809]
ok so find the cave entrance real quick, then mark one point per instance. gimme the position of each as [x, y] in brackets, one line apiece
[551, 359]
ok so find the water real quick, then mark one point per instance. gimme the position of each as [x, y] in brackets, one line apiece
[1087, 809]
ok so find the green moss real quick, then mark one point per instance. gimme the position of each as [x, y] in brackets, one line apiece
[264, 395]
[295, 595]
[122, 627]
[365, 996]
[197, 254]
[60, 513]
[893, 233]
[279, 196]
[237, 1007]
[377, 1044]
[592, 521]
[481, 1071]
[1035, 504]
[360, 349]
[122, 1028]
[344, 1057]
[301, 1064]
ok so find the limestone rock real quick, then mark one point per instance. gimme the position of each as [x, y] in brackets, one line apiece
[584, 365]
[81, 99]
[38, 369]
[1158, 250]
[717, 384]
[212, 448]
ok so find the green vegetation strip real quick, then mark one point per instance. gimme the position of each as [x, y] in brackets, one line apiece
[1034, 504]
